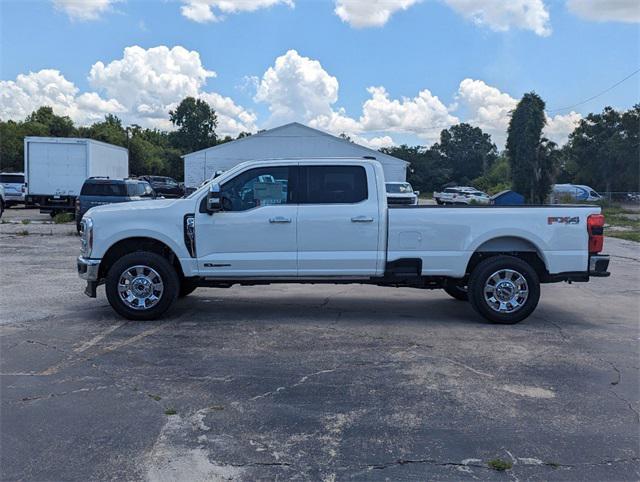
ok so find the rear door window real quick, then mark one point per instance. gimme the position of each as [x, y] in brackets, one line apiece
[11, 178]
[333, 184]
[103, 189]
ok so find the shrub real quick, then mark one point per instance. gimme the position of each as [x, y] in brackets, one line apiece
[62, 218]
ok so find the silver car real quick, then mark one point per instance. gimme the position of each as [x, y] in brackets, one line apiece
[14, 187]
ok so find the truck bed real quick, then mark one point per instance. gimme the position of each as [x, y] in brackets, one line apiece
[445, 237]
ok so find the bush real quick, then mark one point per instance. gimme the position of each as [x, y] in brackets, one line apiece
[62, 218]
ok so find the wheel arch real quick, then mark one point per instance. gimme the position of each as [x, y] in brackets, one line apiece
[138, 243]
[516, 246]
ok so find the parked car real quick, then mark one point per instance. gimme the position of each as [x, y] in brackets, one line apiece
[98, 191]
[334, 226]
[14, 187]
[164, 186]
[461, 195]
[401, 193]
[573, 192]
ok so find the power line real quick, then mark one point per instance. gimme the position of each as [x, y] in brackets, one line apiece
[597, 95]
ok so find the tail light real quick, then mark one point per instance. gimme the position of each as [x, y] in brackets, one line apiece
[595, 228]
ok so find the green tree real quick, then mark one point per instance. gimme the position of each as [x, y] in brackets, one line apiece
[55, 125]
[467, 151]
[110, 130]
[496, 179]
[426, 171]
[527, 150]
[604, 150]
[196, 122]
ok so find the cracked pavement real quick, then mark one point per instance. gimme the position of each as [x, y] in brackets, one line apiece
[312, 382]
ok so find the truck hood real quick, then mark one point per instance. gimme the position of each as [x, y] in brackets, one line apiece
[129, 207]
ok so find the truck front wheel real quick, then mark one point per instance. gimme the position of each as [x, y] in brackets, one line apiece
[504, 289]
[142, 286]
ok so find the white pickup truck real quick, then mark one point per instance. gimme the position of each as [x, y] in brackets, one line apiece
[327, 221]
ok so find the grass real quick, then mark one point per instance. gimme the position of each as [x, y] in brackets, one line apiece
[626, 221]
[23, 232]
[499, 464]
[157, 398]
[62, 218]
[170, 411]
[26, 221]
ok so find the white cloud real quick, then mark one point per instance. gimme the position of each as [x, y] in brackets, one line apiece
[498, 15]
[373, 142]
[141, 87]
[606, 10]
[151, 82]
[84, 10]
[203, 11]
[371, 13]
[501, 15]
[559, 126]
[424, 115]
[490, 109]
[297, 88]
[49, 87]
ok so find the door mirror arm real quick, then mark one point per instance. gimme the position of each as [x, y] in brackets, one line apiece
[214, 199]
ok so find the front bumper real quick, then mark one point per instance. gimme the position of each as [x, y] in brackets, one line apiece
[88, 268]
[598, 265]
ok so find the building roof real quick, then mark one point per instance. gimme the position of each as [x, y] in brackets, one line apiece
[297, 130]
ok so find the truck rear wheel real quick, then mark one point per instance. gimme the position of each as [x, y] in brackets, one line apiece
[504, 289]
[142, 286]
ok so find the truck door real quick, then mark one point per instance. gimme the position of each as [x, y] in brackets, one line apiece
[338, 221]
[255, 233]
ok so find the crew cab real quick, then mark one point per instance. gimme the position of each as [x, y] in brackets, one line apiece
[331, 224]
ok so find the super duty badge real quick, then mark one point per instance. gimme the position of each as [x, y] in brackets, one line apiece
[563, 220]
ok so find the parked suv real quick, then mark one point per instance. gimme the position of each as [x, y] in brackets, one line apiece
[14, 188]
[97, 191]
[164, 186]
[401, 193]
[461, 195]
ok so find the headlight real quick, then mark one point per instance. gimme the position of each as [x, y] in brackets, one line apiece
[86, 236]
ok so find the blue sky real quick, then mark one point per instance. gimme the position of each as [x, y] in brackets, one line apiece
[566, 51]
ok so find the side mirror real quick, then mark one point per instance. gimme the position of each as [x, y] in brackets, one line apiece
[214, 201]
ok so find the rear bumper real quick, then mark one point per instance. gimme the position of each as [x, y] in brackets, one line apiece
[598, 265]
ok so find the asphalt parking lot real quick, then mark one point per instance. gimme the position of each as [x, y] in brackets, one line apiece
[311, 382]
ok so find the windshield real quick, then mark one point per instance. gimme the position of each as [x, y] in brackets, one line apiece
[399, 188]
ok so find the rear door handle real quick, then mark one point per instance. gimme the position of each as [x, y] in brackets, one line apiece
[279, 219]
[362, 219]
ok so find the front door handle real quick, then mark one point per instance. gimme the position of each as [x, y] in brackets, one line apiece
[279, 219]
[362, 219]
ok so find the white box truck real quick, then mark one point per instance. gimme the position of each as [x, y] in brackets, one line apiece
[56, 167]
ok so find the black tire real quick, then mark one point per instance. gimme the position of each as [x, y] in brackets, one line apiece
[162, 267]
[1, 208]
[187, 287]
[485, 270]
[456, 290]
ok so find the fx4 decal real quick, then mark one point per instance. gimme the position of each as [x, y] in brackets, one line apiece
[563, 220]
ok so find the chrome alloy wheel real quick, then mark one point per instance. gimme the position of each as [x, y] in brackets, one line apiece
[140, 287]
[506, 291]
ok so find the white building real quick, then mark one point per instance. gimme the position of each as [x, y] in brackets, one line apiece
[288, 141]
